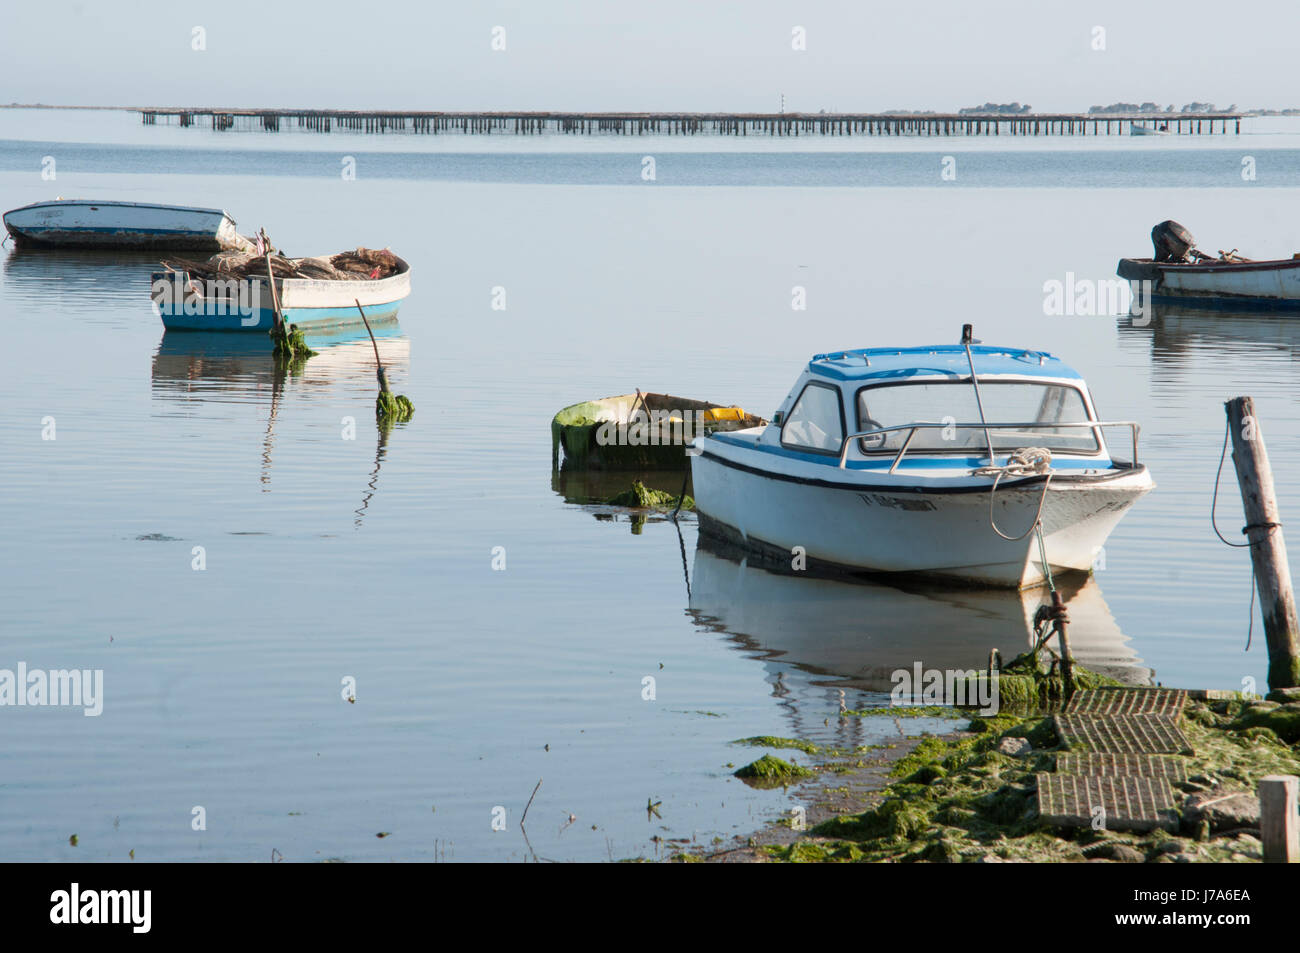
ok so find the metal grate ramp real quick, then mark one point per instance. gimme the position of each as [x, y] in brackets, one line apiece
[1122, 734]
[1127, 701]
[1102, 765]
[1117, 803]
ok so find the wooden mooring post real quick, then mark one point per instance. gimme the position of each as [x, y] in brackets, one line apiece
[1267, 547]
[1279, 822]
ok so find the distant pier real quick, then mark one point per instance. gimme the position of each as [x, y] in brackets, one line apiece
[690, 124]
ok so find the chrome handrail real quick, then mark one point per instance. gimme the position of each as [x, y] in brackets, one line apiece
[1095, 425]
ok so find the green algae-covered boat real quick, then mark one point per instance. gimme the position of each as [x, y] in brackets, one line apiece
[639, 431]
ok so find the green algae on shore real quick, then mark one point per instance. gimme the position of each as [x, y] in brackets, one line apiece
[962, 800]
[1282, 720]
[807, 747]
[1023, 687]
[904, 711]
[771, 741]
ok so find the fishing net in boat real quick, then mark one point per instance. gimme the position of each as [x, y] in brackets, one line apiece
[362, 264]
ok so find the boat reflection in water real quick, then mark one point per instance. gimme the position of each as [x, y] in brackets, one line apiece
[199, 362]
[824, 634]
[195, 367]
[1178, 333]
[79, 281]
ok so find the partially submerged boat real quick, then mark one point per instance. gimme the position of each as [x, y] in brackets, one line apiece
[639, 431]
[1181, 272]
[938, 461]
[233, 292]
[88, 223]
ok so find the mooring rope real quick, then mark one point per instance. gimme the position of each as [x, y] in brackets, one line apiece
[1032, 461]
[1042, 555]
[1214, 503]
[1027, 461]
[1245, 531]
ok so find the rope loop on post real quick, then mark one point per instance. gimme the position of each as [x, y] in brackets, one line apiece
[1269, 526]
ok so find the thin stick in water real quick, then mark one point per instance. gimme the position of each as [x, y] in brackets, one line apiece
[277, 318]
[530, 803]
[383, 378]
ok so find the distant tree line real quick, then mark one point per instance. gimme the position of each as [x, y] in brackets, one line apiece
[1011, 109]
[1156, 108]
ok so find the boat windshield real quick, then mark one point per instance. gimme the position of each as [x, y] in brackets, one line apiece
[952, 402]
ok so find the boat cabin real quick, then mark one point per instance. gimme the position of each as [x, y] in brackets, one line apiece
[896, 406]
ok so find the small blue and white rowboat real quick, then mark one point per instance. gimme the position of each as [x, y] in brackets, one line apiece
[246, 304]
[883, 460]
[85, 223]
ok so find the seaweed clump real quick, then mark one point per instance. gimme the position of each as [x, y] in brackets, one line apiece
[1282, 720]
[768, 771]
[640, 495]
[1024, 687]
[393, 408]
[290, 344]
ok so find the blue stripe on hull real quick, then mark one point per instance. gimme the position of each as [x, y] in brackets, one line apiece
[307, 319]
[83, 237]
[79, 229]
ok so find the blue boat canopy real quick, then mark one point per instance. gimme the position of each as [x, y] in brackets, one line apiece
[946, 360]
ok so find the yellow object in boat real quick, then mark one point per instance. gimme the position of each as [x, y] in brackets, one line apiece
[723, 413]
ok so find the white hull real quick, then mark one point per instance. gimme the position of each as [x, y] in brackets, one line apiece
[1255, 283]
[874, 522]
[311, 304]
[68, 223]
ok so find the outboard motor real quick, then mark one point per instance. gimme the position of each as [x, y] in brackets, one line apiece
[1172, 242]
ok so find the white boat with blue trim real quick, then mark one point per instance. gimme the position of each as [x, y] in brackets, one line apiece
[88, 223]
[187, 301]
[960, 461]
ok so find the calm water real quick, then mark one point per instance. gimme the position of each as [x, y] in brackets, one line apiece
[329, 558]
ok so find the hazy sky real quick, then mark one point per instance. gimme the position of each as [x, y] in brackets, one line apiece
[665, 54]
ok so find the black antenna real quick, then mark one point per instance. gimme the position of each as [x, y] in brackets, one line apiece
[967, 336]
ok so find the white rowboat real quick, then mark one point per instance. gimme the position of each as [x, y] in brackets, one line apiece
[248, 305]
[85, 223]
